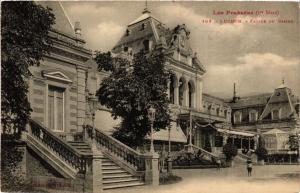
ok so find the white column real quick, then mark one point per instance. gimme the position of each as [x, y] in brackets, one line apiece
[199, 89]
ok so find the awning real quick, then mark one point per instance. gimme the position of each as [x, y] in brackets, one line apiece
[176, 134]
[274, 132]
[232, 132]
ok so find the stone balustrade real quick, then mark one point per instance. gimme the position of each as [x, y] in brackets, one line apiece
[58, 146]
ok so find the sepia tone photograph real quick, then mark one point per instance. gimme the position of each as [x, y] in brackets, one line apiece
[150, 96]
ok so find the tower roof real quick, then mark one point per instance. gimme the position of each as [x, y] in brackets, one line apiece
[145, 15]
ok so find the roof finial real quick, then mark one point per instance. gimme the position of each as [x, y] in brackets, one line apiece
[146, 8]
[283, 81]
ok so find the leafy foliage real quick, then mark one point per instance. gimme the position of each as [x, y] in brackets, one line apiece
[230, 151]
[11, 177]
[24, 32]
[104, 61]
[261, 153]
[131, 89]
[293, 142]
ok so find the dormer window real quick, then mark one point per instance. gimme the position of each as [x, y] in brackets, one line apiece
[143, 26]
[297, 108]
[253, 116]
[126, 49]
[276, 114]
[237, 117]
[218, 111]
[127, 32]
[146, 44]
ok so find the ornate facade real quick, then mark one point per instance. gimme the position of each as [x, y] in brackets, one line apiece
[57, 89]
[190, 107]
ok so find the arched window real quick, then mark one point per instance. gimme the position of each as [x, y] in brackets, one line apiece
[181, 91]
[191, 93]
[143, 26]
[172, 88]
[237, 117]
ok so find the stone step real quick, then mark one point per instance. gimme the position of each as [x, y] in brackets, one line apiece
[114, 176]
[123, 185]
[107, 161]
[119, 180]
[118, 171]
[78, 144]
[83, 149]
[108, 164]
[114, 167]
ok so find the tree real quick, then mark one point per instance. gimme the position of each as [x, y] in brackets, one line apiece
[24, 32]
[261, 153]
[131, 89]
[230, 151]
[293, 142]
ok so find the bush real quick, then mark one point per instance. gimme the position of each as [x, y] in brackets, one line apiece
[230, 151]
[261, 153]
[167, 178]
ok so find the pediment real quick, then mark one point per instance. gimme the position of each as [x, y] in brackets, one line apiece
[57, 75]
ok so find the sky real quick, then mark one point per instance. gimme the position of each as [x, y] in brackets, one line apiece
[257, 56]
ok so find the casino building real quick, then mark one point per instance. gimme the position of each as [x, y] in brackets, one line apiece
[64, 85]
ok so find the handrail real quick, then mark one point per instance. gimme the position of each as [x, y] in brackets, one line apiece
[135, 159]
[204, 151]
[60, 147]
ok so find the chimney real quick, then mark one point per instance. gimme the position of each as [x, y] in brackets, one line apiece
[77, 29]
[235, 97]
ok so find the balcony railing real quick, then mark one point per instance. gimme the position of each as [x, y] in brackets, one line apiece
[58, 146]
[133, 158]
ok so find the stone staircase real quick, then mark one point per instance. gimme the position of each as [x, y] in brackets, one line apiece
[116, 177]
[121, 166]
[113, 175]
[81, 146]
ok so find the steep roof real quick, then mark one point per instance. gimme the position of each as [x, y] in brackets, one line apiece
[213, 99]
[279, 99]
[146, 14]
[250, 101]
[62, 21]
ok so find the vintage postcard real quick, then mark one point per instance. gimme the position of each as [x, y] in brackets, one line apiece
[150, 96]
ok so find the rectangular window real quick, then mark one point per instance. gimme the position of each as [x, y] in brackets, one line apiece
[237, 118]
[252, 117]
[275, 114]
[56, 102]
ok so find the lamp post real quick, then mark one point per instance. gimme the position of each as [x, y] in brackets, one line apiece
[169, 159]
[151, 116]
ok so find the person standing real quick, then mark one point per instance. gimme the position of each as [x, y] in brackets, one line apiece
[218, 163]
[249, 167]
